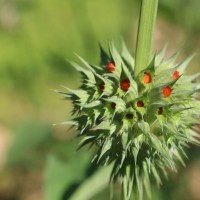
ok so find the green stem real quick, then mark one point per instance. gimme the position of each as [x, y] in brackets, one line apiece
[146, 28]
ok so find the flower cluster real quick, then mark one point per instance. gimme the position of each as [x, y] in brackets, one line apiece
[139, 122]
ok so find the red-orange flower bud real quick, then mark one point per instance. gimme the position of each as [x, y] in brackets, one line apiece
[111, 67]
[175, 75]
[147, 78]
[167, 91]
[125, 84]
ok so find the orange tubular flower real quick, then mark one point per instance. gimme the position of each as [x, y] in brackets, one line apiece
[147, 78]
[167, 91]
[125, 84]
[176, 75]
[111, 67]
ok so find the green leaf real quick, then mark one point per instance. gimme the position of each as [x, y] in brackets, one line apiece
[127, 183]
[61, 175]
[139, 182]
[128, 57]
[167, 64]
[125, 138]
[88, 74]
[105, 58]
[86, 140]
[144, 127]
[93, 185]
[120, 103]
[72, 123]
[135, 151]
[86, 63]
[92, 104]
[182, 66]
[66, 95]
[104, 125]
[28, 138]
[146, 180]
[81, 94]
[106, 147]
[156, 175]
[116, 58]
[163, 150]
[160, 55]
[178, 156]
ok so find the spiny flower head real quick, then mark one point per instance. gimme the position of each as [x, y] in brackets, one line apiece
[135, 120]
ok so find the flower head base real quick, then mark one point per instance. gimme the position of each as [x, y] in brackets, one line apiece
[132, 125]
[160, 111]
[140, 104]
[102, 86]
[113, 106]
[129, 116]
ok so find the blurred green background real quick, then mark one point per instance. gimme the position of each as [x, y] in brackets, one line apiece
[38, 161]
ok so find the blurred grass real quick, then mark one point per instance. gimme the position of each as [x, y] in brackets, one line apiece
[36, 39]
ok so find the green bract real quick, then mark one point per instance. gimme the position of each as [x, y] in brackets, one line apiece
[140, 124]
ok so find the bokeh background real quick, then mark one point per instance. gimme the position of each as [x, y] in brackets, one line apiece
[38, 161]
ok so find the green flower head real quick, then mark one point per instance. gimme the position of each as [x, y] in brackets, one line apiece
[140, 123]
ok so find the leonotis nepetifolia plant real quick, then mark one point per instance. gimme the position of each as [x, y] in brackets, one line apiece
[139, 123]
[139, 113]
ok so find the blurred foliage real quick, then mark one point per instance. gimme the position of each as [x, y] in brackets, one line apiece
[62, 175]
[30, 142]
[36, 37]
[183, 12]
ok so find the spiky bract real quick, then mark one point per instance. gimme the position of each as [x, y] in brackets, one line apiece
[139, 122]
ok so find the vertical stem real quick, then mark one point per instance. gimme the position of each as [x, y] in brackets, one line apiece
[148, 13]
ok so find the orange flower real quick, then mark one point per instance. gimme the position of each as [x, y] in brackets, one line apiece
[111, 67]
[175, 75]
[147, 78]
[125, 84]
[167, 91]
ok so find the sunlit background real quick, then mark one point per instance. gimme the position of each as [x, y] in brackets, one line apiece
[38, 161]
